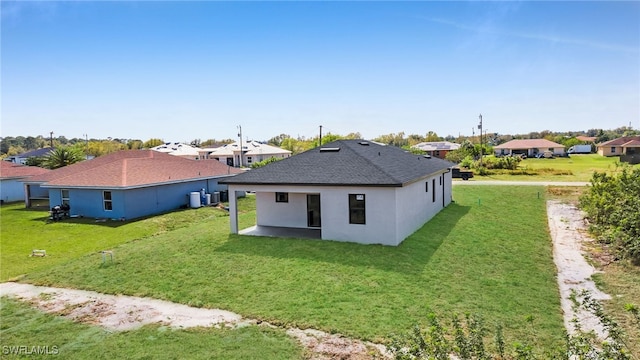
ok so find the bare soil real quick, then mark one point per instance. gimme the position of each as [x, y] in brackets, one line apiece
[568, 232]
[121, 313]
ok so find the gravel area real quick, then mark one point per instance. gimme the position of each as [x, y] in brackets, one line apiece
[568, 231]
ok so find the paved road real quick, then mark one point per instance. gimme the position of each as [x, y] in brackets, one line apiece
[523, 183]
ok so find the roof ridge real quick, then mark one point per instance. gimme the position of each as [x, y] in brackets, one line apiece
[123, 180]
[382, 170]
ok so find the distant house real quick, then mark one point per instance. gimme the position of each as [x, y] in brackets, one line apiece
[437, 148]
[586, 139]
[11, 177]
[130, 184]
[346, 190]
[22, 158]
[529, 147]
[626, 145]
[178, 149]
[252, 152]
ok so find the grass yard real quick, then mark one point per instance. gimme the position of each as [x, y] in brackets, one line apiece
[23, 230]
[575, 168]
[24, 326]
[488, 253]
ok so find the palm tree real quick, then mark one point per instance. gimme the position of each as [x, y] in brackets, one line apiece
[62, 156]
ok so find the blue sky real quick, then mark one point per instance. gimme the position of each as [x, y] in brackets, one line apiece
[185, 70]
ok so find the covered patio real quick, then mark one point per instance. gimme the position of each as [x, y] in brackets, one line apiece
[285, 232]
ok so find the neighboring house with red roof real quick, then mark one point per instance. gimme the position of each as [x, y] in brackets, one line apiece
[130, 184]
[11, 177]
[529, 147]
[586, 139]
[437, 148]
[626, 145]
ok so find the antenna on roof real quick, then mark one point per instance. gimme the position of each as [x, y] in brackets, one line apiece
[320, 138]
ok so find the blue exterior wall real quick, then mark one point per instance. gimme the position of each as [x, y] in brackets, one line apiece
[132, 203]
[11, 190]
[38, 192]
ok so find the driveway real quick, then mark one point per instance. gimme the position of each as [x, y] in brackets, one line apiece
[522, 183]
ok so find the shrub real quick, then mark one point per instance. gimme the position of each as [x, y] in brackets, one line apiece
[264, 162]
[612, 204]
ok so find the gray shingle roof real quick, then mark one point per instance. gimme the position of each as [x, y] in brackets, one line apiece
[357, 162]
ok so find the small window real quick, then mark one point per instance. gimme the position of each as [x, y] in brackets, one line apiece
[433, 193]
[249, 159]
[64, 195]
[106, 199]
[426, 186]
[282, 197]
[613, 149]
[440, 180]
[357, 209]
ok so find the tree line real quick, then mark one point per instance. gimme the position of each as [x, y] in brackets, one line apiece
[10, 145]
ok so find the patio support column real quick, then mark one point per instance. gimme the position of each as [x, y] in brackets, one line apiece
[233, 210]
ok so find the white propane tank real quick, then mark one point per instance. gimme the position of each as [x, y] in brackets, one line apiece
[194, 199]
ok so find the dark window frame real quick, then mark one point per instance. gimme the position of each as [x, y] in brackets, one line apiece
[64, 199]
[433, 185]
[282, 197]
[107, 203]
[357, 209]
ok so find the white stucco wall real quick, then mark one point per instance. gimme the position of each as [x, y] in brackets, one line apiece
[289, 214]
[392, 213]
[415, 206]
[380, 227]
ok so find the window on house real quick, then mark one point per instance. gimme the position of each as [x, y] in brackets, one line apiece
[440, 180]
[106, 199]
[282, 197]
[613, 149]
[426, 186]
[249, 159]
[64, 195]
[433, 193]
[356, 209]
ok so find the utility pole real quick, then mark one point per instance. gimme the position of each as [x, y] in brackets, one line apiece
[240, 136]
[51, 138]
[481, 140]
[320, 138]
[86, 146]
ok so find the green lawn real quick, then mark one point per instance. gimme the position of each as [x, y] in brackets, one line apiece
[488, 253]
[575, 168]
[23, 230]
[23, 326]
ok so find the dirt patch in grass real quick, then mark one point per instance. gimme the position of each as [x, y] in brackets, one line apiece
[122, 313]
[568, 229]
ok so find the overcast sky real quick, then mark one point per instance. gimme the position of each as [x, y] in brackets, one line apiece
[185, 70]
